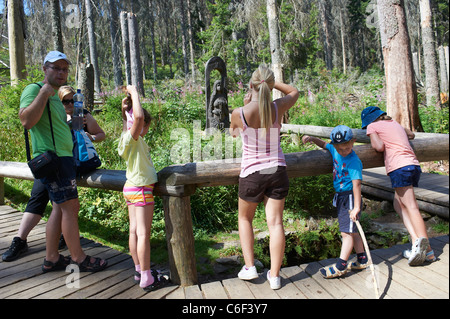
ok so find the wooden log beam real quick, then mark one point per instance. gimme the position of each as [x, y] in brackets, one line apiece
[226, 172]
[100, 178]
[317, 162]
[324, 132]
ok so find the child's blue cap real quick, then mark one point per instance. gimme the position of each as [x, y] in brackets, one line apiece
[370, 114]
[341, 134]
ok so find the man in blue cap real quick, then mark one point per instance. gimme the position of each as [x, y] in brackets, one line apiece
[347, 177]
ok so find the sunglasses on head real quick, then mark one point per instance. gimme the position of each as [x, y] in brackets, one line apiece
[66, 102]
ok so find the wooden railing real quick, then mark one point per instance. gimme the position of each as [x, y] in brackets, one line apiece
[176, 183]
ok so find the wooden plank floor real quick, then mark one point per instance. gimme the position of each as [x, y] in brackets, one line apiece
[23, 278]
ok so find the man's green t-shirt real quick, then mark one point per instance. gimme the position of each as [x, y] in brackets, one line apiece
[41, 136]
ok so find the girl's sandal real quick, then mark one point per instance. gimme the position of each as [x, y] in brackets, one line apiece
[332, 272]
[61, 264]
[87, 266]
[137, 277]
[159, 282]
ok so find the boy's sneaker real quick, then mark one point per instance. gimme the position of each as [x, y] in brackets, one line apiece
[18, 246]
[418, 251]
[275, 282]
[248, 273]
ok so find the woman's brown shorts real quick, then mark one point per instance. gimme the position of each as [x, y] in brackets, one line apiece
[255, 186]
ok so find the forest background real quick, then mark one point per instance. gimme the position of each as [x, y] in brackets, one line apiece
[330, 50]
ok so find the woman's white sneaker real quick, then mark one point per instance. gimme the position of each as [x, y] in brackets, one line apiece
[248, 273]
[275, 282]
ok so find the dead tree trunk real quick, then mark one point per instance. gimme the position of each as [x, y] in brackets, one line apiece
[125, 45]
[326, 34]
[137, 77]
[191, 39]
[151, 23]
[443, 69]
[56, 25]
[115, 44]
[184, 37]
[86, 84]
[401, 90]
[16, 37]
[92, 45]
[429, 55]
[275, 44]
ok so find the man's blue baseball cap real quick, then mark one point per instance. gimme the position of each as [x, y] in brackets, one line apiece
[341, 134]
[54, 56]
[370, 114]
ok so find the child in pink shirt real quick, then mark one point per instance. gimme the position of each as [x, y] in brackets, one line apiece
[402, 166]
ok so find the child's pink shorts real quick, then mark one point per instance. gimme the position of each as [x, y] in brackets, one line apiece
[138, 195]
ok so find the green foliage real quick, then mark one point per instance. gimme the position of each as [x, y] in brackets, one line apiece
[433, 120]
[311, 194]
[331, 98]
[307, 245]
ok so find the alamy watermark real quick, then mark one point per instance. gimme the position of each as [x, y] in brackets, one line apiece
[222, 147]
[73, 19]
[73, 279]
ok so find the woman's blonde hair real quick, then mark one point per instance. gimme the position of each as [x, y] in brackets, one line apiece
[64, 90]
[263, 81]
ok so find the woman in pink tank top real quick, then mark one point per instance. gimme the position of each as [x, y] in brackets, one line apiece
[263, 174]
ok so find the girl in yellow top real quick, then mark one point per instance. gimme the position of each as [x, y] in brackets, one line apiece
[138, 189]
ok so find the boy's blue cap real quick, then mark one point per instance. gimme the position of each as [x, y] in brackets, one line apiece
[370, 114]
[341, 134]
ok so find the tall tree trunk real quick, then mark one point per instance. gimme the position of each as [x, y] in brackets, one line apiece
[151, 20]
[401, 90]
[443, 69]
[191, 39]
[275, 45]
[113, 17]
[92, 45]
[125, 45]
[16, 36]
[326, 34]
[344, 58]
[137, 77]
[56, 25]
[416, 67]
[184, 37]
[429, 55]
[86, 84]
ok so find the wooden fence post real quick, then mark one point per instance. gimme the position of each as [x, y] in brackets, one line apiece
[180, 239]
[2, 190]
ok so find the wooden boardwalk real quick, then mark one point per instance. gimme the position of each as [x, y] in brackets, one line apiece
[23, 278]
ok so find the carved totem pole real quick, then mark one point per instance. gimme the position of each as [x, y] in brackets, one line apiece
[217, 114]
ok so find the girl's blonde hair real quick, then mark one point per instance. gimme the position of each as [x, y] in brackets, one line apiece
[64, 90]
[263, 81]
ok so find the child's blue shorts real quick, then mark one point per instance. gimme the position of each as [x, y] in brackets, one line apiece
[344, 203]
[405, 176]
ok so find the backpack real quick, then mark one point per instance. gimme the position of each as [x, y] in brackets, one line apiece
[84, 153]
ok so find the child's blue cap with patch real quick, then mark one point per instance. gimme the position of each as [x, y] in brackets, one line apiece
[341, 134]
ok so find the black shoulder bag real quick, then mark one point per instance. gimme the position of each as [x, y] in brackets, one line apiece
[45, 164]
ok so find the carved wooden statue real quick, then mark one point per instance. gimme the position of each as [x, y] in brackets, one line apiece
[217, 113]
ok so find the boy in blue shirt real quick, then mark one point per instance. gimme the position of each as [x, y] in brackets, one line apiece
[347, 177]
